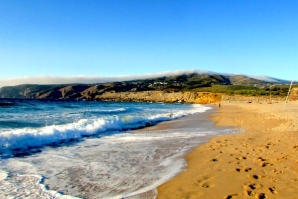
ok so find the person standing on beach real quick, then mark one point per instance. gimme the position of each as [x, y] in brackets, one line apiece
[218, 105]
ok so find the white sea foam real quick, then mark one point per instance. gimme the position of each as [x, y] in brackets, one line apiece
[117, 110]
[27, 186]
[3, 175]
[31, 137]
[111, 164]
[117, 166]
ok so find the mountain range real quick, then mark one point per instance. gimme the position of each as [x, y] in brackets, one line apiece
[172, 83]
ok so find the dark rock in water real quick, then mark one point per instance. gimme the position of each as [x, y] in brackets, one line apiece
[6, 104]
[148, 124]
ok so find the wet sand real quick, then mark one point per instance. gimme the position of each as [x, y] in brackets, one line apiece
[261, 162]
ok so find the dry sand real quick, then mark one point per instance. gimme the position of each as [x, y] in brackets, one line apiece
[261, 162]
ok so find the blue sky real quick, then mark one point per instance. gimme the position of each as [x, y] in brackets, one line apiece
[135, 37]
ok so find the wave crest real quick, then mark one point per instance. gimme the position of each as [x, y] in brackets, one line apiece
[25, 138]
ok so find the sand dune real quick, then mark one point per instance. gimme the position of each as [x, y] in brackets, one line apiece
[261, 162]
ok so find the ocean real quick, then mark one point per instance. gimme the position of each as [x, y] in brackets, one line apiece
[92, 149]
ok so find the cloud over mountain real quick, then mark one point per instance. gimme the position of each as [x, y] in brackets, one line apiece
[101, 79]
[87, 79]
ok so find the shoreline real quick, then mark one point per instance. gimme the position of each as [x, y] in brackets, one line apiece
[188, 121]
[257, 163]
[198, 123]
[117, 166]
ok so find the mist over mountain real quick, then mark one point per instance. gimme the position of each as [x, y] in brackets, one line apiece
[102, 79]
[167, 81]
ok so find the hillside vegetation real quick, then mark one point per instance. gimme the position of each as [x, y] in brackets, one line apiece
[275, 90]
[214, 83]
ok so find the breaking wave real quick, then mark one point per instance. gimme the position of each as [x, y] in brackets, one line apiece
[24, 138]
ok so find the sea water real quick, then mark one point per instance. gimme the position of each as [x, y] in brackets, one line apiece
[87, 149]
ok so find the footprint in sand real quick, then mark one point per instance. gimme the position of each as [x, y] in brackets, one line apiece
[245, 169]
[273, 190]
[232, 196]
[205, 185]
[261, 159]
[295, 147]
[262, 196]
[265, 164]
[277, 171]
[256, 177]
[204, 178]
[202, 182]
[252, 186]
[250, 193]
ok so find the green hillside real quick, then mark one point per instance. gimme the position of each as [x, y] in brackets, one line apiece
[237, 84]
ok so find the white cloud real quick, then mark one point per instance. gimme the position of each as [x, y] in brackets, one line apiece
[269, 79]
[86, 79]
[101, 79]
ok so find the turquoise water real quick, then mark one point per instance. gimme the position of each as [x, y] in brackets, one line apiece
[32, 123]
[86, 149]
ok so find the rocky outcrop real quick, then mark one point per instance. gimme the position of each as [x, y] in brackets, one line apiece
[161, 96]
[67, 92]
[54, 94]
[164, 89]
[73, 91]
[92, 91]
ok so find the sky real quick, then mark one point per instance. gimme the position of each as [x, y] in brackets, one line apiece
[61, 40]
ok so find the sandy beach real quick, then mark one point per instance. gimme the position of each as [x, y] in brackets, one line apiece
[260, 162]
